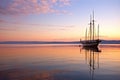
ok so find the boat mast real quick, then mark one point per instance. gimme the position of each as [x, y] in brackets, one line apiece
[86, 35]
[93, 25]
[90, 28]
[98, 31]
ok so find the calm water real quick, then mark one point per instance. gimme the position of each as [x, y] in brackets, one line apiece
[59, 62]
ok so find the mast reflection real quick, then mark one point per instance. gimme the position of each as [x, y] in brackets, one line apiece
[92, 59]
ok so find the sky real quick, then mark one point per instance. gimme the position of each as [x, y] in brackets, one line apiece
[57, 20]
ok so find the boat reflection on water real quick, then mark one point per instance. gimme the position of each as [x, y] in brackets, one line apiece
[92, 49]
[92, 59]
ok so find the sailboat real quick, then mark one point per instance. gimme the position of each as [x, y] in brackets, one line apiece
[90, 35]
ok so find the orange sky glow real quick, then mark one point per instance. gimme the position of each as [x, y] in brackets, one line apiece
[57, 20]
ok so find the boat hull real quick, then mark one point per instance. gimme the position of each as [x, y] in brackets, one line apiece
[90, 43]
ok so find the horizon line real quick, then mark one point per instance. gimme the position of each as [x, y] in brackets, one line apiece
[56, 42]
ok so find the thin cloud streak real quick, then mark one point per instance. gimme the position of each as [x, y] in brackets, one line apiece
[2, 21]
[34, 24]
[21, 25]
[27, 7]
[6, 29]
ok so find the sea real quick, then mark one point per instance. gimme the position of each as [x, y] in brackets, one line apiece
[59, 62]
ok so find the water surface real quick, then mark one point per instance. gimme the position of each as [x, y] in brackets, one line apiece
[59, 62]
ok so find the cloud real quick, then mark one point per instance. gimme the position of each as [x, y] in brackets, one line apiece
[21, 25]
[1, 21]
[65, 2]
[36, 24]
[27, 7]
[6, 29]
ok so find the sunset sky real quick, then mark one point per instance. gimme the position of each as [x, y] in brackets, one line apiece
[57, 20]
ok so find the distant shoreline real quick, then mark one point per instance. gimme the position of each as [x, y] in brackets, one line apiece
[56, 42]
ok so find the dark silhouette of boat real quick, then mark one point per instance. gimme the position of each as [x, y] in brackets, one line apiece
[90, 35]
[91, 43]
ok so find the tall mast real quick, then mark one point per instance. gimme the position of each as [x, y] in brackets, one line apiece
[98, 31]
[86, 34]
[93, 25]
[90, 28]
